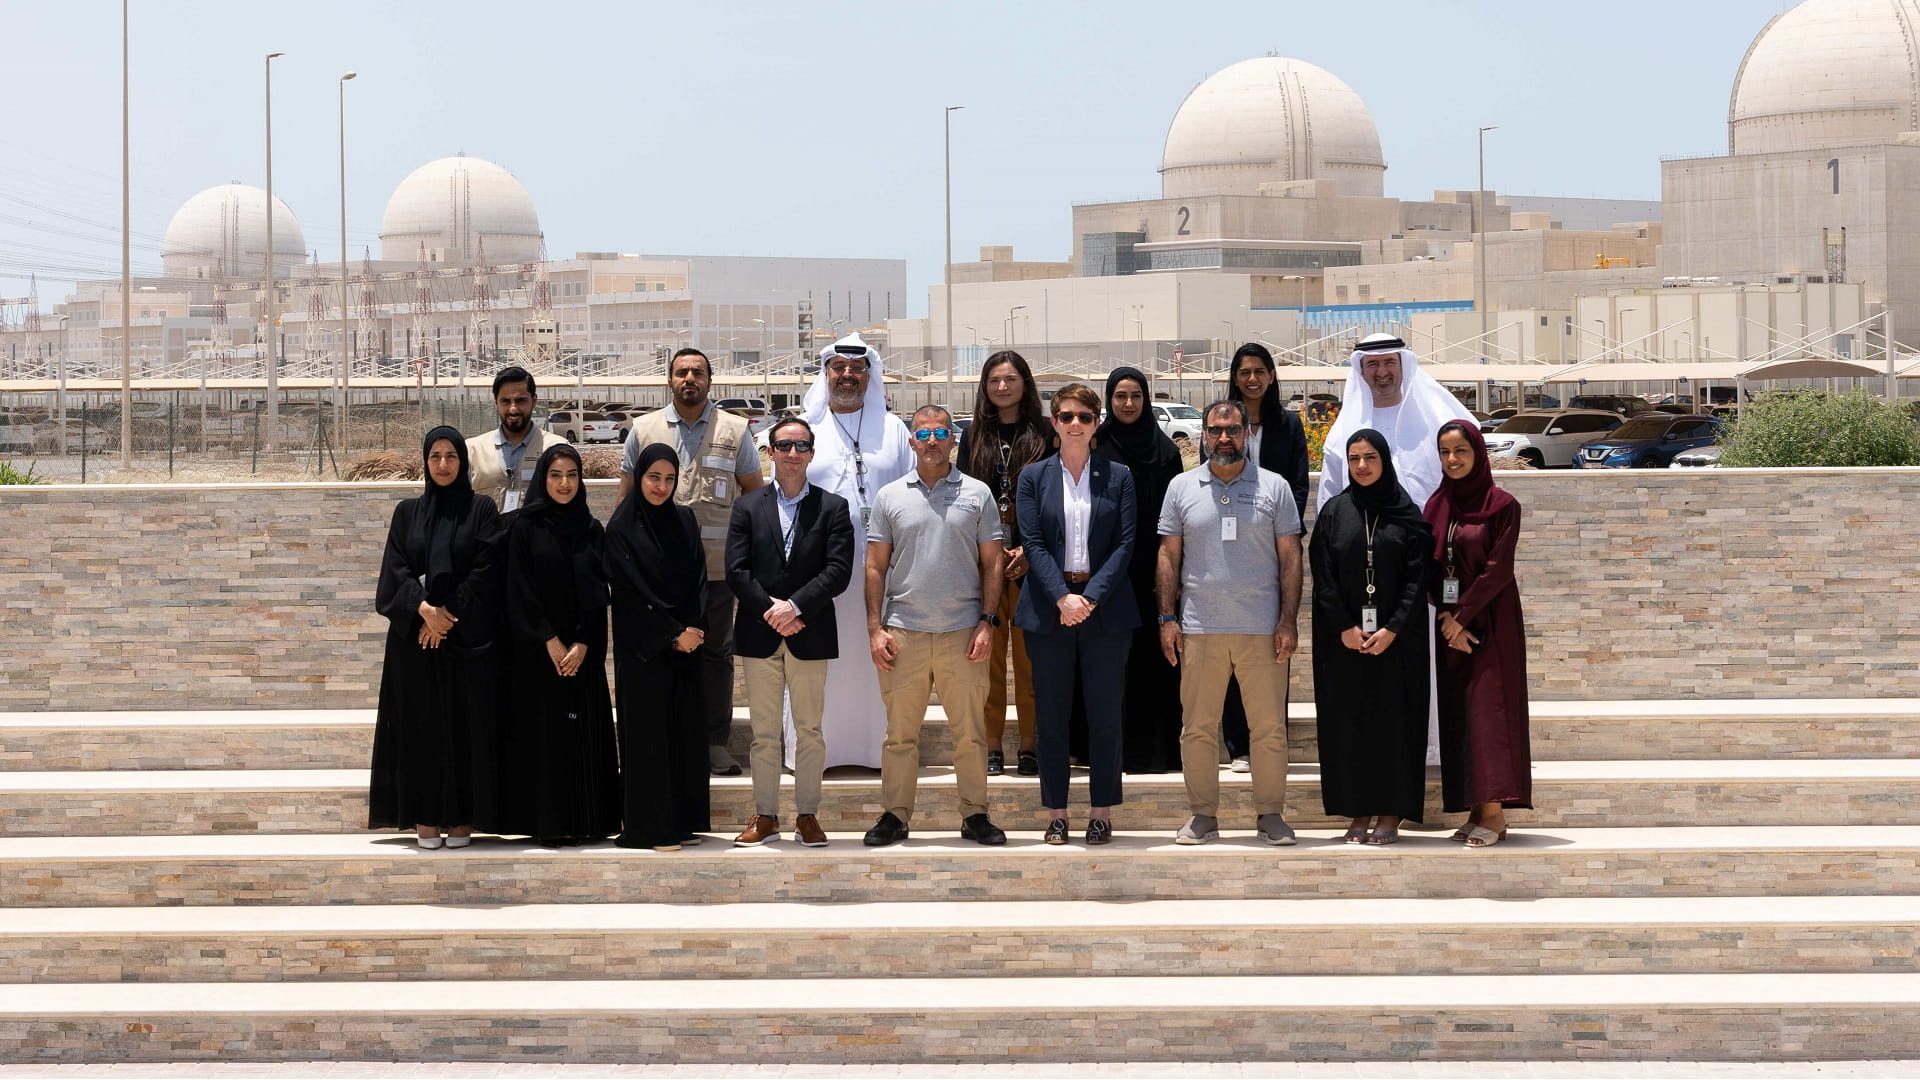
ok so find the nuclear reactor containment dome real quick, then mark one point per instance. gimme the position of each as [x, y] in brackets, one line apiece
[451, 206]
[1828, 73]
[1271, 119]
[221, 235]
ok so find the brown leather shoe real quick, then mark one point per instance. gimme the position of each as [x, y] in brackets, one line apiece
[807, 828]
[758, 831]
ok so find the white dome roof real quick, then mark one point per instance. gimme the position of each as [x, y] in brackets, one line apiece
[453, 204]
[1271, 119]
[1828, 73]
[221, 233]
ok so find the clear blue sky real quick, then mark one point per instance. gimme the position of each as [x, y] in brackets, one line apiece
[806, 129]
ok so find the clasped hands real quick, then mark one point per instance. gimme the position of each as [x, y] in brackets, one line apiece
[784, 618]
[1372, 644]
[435, 624]
[566, 658]
[1456, 635]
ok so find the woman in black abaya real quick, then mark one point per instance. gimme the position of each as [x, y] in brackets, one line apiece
[1150, 710]
[437, 591]
[560, 777]
[1369, 555]
[658, 572]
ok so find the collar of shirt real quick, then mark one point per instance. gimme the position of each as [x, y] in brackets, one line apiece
[674, 418]
[501, 442]
[1248, 472]
[952, 477]
[788, 504]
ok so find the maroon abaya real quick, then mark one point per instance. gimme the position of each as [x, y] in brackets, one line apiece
[1484, 751]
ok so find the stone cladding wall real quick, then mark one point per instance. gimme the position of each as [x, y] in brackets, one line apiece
[1664, 584]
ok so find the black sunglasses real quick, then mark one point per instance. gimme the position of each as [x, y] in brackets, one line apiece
[804, 446]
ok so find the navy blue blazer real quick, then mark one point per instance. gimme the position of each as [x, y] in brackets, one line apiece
[758, 568]
[1043, 530]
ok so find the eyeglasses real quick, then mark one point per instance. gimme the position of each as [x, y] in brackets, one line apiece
[1074, 417]
[786, 446]
[856, 367]
[1231, 431]
[938, 434]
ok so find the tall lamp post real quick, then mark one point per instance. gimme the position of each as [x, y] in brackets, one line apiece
[1010, 313]
[766, 365]
[947, 267]
[1480, 259]
[346, 305]
[271, 327]
[126, 257]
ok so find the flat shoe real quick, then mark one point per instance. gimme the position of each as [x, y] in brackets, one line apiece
[1099, 831]
[1057, 831]
[1356, 835]
[1381, 837]
[1460, 834]
[1481, 836]
[459, 841]
[429, 843]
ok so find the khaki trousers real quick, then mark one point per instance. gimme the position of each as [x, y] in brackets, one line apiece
[771, 681]
[1205, 665]
[927, 662]
[1009, 639]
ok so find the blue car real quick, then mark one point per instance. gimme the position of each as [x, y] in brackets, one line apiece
[1648, 441]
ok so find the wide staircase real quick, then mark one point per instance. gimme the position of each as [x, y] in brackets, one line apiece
[1702, 880]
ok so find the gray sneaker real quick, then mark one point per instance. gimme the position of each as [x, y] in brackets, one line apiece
[1242, 764]
[1198, 830]
[1275, 830]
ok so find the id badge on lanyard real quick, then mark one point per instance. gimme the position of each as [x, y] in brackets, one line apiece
[1450, 585]
[1370, 611]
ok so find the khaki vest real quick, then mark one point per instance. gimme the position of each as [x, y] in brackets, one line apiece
[707, 483]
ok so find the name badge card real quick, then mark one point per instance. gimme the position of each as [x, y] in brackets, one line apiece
[1229, 528]
[1369, 619]
[719, 489]
[511, 502]
[1450, 590]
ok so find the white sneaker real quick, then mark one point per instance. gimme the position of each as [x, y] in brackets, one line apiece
[1241, 764]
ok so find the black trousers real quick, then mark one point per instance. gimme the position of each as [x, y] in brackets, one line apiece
[715, 656]
[1065, 658]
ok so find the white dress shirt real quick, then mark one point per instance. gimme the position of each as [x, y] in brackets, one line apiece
[1076, 500]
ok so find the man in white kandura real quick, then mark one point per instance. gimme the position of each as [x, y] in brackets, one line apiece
[1387, 391]
[859, 448]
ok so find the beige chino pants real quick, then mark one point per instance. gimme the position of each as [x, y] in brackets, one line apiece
[771, 681]
[1205, 665]
[928, 662]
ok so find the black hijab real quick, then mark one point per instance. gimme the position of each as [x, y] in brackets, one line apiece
[445, 507]
[1141, 446]
[570, 524]
[1384, 498]
[656, 549]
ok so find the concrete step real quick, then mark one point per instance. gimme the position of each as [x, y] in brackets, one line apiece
[936, 865]
[968, 939]
[1567, 794]
[891, 1021]
[1562, 730]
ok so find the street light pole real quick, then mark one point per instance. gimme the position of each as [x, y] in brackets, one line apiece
[126, 256]
[271, 327]
[1480, 259]
[1010, 311]
[346, 307]
[947, 267]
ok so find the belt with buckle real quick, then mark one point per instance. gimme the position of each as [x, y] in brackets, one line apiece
[1077, 577]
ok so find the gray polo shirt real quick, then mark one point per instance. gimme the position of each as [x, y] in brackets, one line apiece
[1229, 586]
[687, 439]
[933, 575]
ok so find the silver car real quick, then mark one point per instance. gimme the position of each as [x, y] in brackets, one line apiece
[1548, 438]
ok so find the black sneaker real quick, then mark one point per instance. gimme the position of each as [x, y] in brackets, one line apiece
[1057, 831]
[887, 830]
[976, 828]
[996, 763]
[1029, 763]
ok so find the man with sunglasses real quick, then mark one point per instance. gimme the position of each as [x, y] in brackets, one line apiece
[858, 448]
[789, 553]
[935, 565]
[1229, 591]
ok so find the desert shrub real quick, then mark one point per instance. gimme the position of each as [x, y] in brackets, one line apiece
[1788, 429]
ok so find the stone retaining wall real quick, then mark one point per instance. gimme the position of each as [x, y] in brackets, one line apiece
[1667, 584]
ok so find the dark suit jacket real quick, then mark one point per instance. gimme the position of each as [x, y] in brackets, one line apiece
[1043, 532]
[758, 570]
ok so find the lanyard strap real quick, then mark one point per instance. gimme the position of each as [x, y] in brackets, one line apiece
[1369, 523]
[1452, 526]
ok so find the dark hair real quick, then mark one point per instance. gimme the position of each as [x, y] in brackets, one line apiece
[941, 409]
[1269, 401]
[783, 422]
[690, 351]
[1077, 392]
[1226, 403]
[514, 374]
[1029, 444]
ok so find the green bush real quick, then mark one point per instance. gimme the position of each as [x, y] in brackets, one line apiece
[10, 475]
[1811, 429]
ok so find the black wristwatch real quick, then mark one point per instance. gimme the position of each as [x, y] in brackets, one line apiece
[991, 618]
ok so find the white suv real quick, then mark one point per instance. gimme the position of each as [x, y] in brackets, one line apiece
[1548, 438]
[581, 428]
[1177, 420]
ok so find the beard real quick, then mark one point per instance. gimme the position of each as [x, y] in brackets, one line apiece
[516, 425]
[1226, 455]
[846, 400]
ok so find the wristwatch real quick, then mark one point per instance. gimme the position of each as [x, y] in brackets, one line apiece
[991, 618]
[1165, 619]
